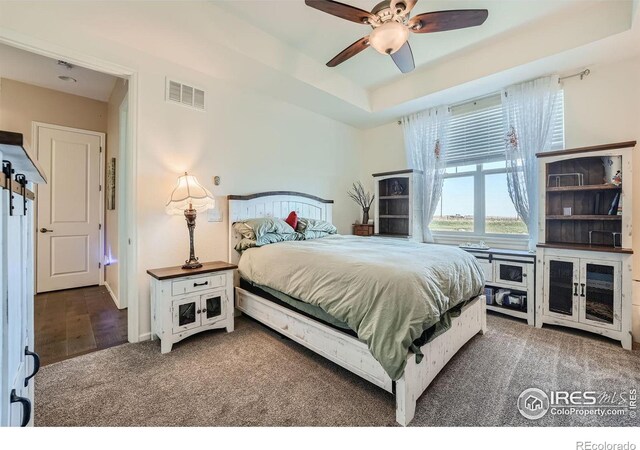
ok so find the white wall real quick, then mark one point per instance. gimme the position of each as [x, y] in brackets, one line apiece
[253, 142]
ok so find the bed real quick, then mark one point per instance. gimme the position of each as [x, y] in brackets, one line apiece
[419, 367]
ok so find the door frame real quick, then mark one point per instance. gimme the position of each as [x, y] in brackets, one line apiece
[127, 237]
[121, 174]
[35, 127]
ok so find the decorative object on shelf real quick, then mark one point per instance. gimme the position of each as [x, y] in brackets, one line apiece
[111, 184]
[396, 188]
[613, 209]
[579, 178]
[500, 296]
[566, 211]
[187, 198]
[612, 170]
[363, 229]
[362, 198]
[616, 237]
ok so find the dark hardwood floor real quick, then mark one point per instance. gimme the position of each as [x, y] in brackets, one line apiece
[77, 321]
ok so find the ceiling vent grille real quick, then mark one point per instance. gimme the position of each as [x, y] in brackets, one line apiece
[185, 95]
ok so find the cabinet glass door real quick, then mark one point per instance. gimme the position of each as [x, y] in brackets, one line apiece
[561, 287]
[213, 307]
[186, 314]
[599, 291]
[511, 273]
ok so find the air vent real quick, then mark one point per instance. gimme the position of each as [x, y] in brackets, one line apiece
[185, 95]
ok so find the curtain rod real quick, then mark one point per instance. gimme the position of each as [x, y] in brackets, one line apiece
[582, 74]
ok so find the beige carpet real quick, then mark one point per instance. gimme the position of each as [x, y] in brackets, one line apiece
[253, 377]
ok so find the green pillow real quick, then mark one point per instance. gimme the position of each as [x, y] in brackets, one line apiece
[255, 228]
[306, 225]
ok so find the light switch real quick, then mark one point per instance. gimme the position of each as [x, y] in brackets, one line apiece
[214, 215]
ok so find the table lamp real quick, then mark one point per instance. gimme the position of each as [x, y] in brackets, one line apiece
[187, 198]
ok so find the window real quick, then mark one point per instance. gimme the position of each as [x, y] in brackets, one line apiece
[475, 196]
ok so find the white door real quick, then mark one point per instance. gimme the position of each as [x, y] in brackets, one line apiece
[17, 322]
[69, 209]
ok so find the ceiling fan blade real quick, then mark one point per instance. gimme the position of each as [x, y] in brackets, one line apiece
[404, 58]
[350, 51]
[447, 20]
[343, 11]
[398, 4]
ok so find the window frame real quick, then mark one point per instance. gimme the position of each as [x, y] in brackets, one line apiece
[479, 175]
[479, 208]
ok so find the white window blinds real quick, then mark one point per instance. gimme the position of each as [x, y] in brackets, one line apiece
[476, 133]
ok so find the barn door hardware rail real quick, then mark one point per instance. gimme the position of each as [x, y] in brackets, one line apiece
[19, 168]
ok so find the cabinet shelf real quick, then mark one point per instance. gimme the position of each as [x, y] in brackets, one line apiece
[593, 248]
[394, 216]
[394, 197]
[508, 311]
[585, 217]
[587, 187]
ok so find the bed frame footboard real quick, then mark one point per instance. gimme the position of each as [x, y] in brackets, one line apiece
[353, 354]
[437, 353]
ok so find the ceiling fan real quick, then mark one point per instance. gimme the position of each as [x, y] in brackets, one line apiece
[391, 23]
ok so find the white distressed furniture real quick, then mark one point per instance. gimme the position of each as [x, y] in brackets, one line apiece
[513, 270]
[584, 279]
[18, 363]
[339, 347]
[185, 302]
[398, 210]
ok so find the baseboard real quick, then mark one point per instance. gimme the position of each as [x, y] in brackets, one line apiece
[145, 337]
[113, 295]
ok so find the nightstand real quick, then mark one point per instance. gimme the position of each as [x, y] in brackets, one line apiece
[185, 302]
[363, 229]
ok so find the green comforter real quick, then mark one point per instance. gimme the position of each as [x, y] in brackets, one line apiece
[387, 290]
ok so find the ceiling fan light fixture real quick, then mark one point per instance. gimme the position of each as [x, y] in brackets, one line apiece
[389, 37]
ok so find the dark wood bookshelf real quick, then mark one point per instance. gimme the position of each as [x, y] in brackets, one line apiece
[590, 199]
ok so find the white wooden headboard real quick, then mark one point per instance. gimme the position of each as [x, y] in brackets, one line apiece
[273, 204]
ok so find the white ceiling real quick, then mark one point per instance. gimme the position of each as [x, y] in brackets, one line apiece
[322, 36]
[282, 51]
[20, 65]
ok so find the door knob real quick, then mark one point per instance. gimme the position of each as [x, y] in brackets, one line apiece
[44, 230]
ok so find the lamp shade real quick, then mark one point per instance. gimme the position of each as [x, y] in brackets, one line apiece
[189, 194]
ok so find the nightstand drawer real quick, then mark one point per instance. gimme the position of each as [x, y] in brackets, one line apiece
[197, 284]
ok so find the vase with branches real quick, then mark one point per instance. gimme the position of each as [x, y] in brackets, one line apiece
[363, 198]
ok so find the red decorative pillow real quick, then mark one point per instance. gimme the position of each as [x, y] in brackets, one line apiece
[292, 220]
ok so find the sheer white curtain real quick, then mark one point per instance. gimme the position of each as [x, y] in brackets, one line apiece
[425, 135]
[528, 114]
